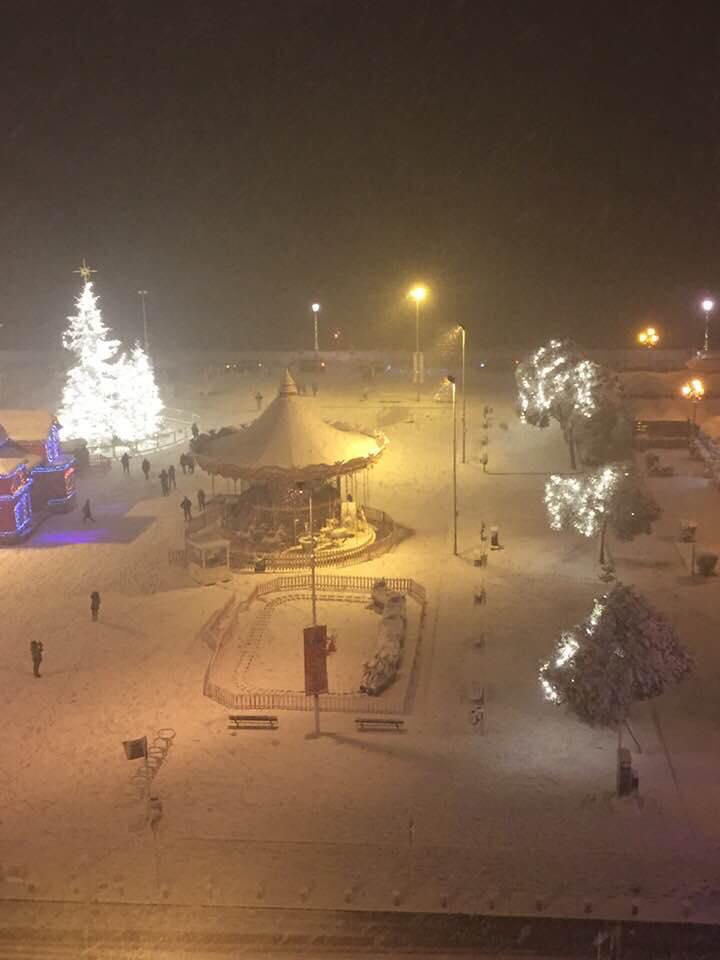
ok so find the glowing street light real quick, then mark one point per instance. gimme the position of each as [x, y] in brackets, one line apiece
[315, 307]
[649, 337]
[707, 306]
[418, 294]
[693, 390]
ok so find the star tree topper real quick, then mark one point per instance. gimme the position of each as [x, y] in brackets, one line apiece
[85, 271]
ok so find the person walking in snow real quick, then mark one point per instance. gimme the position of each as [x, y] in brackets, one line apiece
[172, 485]
[190, 461]
[195, 430]
[187, 509]
[36, 652]
[94, 605]
[87, 513]
[125, 461]
[164, 482]
[145, 466]
[259, 400]
[201, 500]
[183, 463]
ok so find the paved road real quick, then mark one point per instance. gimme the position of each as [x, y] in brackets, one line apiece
[55, 931]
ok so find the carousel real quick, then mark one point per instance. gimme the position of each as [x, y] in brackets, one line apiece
[290, 483]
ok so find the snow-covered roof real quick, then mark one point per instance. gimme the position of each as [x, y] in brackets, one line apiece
[11, 456]
[289, 440]
[25, 425]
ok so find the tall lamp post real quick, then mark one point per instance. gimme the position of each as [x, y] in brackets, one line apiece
[142, 294]
[693, 390]
[315, 311]
[418, 294]
[316, 698]
[463, 334]
[451, 381]
[707, 307]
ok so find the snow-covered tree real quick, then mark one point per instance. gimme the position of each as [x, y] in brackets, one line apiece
[108, 396]
[611, 496]
[140, 406]
[622, 652]
[558, 382]
[90, 396]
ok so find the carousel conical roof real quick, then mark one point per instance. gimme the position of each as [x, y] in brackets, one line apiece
[288, 441]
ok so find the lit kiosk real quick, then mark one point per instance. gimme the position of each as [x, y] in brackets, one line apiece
[36, 477]
[208, 559]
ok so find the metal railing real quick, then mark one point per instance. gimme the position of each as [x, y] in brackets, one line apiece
[243, 560]
[220, 627]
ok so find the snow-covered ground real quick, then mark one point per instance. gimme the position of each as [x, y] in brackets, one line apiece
[520, 818]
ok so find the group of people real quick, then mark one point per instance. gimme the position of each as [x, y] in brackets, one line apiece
[187, 465]
[167, 480]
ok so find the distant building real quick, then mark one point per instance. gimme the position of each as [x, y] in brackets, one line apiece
[36, 477]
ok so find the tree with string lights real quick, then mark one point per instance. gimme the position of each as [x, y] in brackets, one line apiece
[622, 652]
[557, 382]
[107, 395]
[610, 497]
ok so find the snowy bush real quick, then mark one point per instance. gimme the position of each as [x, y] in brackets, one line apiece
[622, 652]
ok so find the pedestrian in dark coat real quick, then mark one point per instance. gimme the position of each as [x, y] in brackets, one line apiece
[259, 400]
[87, 513]
[183, 463]
[164, 482]
[145, 466]
[171, 477]
[190, 461]
[195, 430]
[201, 499]
[187, 509]
[94, 604]
[125, 461]
[36, 652]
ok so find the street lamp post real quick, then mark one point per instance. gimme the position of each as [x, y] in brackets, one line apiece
[463, 334]
[418, 294]
[315, 310]
[693, 390]
[451, 381]
[142, 294]
[316, 698]
[707, 306]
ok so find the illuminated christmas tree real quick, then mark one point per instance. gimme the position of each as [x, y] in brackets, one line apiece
[140, 404]
[107, 395]
[90, 400]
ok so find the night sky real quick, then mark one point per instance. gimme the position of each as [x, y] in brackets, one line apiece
[546, 167]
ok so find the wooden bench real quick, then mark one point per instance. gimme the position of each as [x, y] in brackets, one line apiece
[379, 723]
[250, 721]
